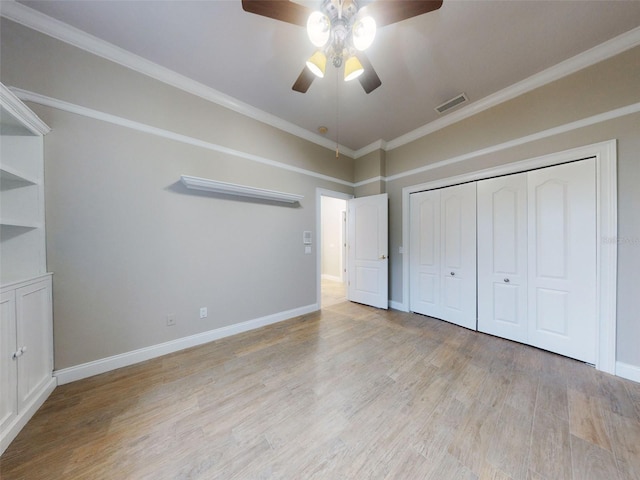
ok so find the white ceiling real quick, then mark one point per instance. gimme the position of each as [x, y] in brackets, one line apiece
[477, 47]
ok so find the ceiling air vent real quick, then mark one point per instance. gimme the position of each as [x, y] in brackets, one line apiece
[454, 102]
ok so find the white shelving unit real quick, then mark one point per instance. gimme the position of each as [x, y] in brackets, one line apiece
[26, 326]
[22, 226]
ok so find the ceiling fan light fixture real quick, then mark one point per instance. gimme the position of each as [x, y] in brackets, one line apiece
[364, 32]
[317, 63]
[352, 68]
[318, 28]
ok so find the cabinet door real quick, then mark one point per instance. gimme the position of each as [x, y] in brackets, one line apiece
[562, 259]
[502, 257]
[458, 254]
[8, 365]
[34, 336]
[424, 253]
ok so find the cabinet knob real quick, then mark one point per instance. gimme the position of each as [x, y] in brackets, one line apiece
[383, 257]
[453, 274]
[506, 280]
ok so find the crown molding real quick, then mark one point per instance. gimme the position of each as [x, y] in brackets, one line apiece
[13, 105]
[585, 59]
[372, 147]
[54, 28]
[42, 23]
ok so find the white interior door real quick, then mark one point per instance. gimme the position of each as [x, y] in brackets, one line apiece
[502, 257]
[368, 262]
[562, 259]
[458, 254]
[424, 253]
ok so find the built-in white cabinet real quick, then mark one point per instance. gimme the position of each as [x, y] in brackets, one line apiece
[26, 341]
[443, 254]
[26, 326]
[537, 258]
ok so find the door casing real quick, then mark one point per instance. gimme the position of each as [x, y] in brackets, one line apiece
[605, 154]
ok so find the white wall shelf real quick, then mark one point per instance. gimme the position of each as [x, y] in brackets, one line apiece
[214, 186]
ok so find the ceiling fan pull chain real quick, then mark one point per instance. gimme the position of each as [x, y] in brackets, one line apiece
[337, 116]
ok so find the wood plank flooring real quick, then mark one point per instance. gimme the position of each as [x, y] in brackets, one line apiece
[347, 393]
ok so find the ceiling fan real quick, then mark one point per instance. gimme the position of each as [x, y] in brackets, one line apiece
[341, 30]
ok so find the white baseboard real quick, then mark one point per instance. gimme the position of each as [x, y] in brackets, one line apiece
[630, 372]
[25, 415]
[85, 370]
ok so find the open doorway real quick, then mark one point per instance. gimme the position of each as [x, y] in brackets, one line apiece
[332, 241]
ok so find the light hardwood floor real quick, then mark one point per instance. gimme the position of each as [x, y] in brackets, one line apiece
[347, 393]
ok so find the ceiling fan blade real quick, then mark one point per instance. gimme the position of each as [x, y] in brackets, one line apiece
[284, 11]
[303, 82]
[387, 12]
[369, 78]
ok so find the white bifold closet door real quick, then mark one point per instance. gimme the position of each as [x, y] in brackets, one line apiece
[442, 255]
[502, 257]
[537, 258]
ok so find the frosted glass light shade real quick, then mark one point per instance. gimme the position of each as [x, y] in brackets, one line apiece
[318, 29]
[352, 69]
[317, 63]
[364, 31]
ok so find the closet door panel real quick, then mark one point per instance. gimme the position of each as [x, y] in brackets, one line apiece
[562, 259]
[458, 250]
[424, 269]
[502, 256]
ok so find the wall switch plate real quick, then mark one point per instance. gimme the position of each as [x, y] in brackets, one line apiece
[171, 319]
[307, 249]
[203, 312]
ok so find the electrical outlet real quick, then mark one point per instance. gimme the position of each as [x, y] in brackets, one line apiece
[171, 319]
[203, 312]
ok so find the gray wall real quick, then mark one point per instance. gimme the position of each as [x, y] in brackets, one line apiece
[128, 245]
[601, 88]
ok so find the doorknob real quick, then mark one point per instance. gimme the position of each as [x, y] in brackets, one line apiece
[382, 257]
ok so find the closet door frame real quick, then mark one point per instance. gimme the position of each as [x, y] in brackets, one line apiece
[605, 154]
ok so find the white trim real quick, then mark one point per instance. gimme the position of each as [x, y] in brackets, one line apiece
[54, 28]
[585, 122]
[28, 96]
[178, 137]
[61, 31]
[606, 160]
[320, 192]
[208, 185]
[85, 370]
[12, 104]
[585, 59]
[25, 415]
[370, 180]
[630, 372]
